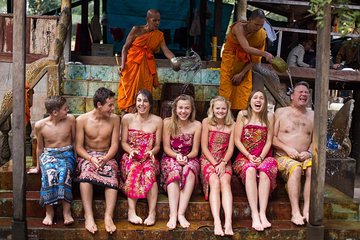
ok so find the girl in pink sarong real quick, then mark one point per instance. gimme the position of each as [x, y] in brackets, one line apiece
[180, 165]
[217, 145]
[140, 139]
[253, 137]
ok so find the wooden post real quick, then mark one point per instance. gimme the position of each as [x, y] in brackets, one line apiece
[18, 118]
[241, 10]
[315, 228]
[203, 10]
[217, 24]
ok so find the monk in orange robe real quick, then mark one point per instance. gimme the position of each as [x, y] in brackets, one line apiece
[138, 69]
[244, 46]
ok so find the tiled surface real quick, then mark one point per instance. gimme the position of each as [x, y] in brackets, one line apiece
[94, 85]
[104, 73]
[75, 87]
[76, 104]
[77, 71]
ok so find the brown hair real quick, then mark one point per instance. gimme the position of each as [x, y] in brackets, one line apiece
[263, 113]
[54, 103]
[174, 119]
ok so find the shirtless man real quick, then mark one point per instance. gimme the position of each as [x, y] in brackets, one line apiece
[97, 140]
[55, 135]
[292, 139]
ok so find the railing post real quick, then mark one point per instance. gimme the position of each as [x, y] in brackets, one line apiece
[279, 43]
[315, 228]
[18, 125]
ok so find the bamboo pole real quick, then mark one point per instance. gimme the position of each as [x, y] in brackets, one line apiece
[315, 228]
[18, 118]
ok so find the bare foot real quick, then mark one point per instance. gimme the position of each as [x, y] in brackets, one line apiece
[264, 221]
[109, 225]
[48, 220]
[183, 222]
[218, 231]
[134, 219]
[68, 220]
[256, 223]
[228, 229]
[297, 219]
[306, 217]
[172, 223]
[90, 225]
[34, 170]
[150, 220]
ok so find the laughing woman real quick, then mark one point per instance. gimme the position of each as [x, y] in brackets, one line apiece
[255, 165]
[180, 165]
[140, 139]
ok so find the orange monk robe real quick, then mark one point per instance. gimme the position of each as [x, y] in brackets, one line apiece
[233, 60]
[140, 69]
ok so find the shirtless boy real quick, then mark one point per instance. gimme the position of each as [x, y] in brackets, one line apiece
[55, 135]
[292, 139]
[97, 140]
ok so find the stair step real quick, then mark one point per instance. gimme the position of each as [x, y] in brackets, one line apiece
[334, 230]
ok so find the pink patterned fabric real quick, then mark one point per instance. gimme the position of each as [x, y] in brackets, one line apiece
[218, 145]
[86, 171]
[253, 138]
[137, 175]
[171, 170]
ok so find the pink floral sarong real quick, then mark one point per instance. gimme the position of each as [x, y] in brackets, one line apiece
[171, 170]
[253, 138]
[218, 144]
[137, 175]
[106, 177]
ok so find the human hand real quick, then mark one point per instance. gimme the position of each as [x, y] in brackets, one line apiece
[151, 155]
[95, 161]
[220, 169]
[237, 78]
[336, 66]
[304, 155]
[292, 153]
[133, 153]
[102, 161]
[268, 56]
[182, 160]
[120, 69]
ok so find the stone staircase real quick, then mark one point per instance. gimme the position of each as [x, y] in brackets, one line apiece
[341, 215]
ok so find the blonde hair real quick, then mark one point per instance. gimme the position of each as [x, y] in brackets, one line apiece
[174, 119]
[263, 113]
[229, 120]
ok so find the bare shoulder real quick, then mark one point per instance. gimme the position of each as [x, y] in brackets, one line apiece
[70, 118]
[83, 117]
[167, 121]
[197, 124]
[156, 119]
[114, 117]
[281, 111]
[242, 115]
[205, 121]
[127, 118]
[39, 124]
[270, 115]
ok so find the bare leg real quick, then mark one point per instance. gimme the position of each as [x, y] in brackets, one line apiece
[86, 191]
[48, 220]
[173, 190]
[110, 201]
[252, 195]
[294, 186]
[227, 202]
[264, 191]
[185, 195]
[132, 217]
[214, 200]
[307, 194]
[152, 199]
[68, 219]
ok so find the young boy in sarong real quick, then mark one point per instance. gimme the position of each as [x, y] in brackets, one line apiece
[97, 142]
[55, 138]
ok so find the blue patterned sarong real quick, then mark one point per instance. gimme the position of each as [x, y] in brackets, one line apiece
[57, 167]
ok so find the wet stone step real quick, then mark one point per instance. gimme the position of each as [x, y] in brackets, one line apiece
[284, 230]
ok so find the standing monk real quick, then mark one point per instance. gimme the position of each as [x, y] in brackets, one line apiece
[292, 139]
[97, 141]
[244, 47]
[138, 69]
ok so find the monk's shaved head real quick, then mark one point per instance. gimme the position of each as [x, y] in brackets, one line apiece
[152, 12]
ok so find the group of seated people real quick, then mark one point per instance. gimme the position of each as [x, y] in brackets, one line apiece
[95, 137]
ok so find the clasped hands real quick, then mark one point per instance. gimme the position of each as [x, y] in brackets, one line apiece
[135, 152]
[254, 159]
[98, 161]
[294, 154]
[182, 160]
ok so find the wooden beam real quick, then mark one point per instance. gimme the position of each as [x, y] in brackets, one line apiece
[18, 118]
[315, 228]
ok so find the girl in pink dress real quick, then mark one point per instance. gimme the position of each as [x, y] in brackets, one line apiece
[180, 164]
[255, 165]
[217, 145]
[140, 139]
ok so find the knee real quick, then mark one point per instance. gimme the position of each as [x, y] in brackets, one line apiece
[214, 183]
[263, 176]
[250, 172]
[225, 180]
[296, 173]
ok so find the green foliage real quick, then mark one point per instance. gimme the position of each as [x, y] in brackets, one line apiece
[348, 18]
[38, 7]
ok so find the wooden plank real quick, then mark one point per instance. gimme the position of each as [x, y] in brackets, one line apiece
[319, 135]
[18, 124]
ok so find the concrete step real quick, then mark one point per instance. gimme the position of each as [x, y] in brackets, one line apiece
[284, 230]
